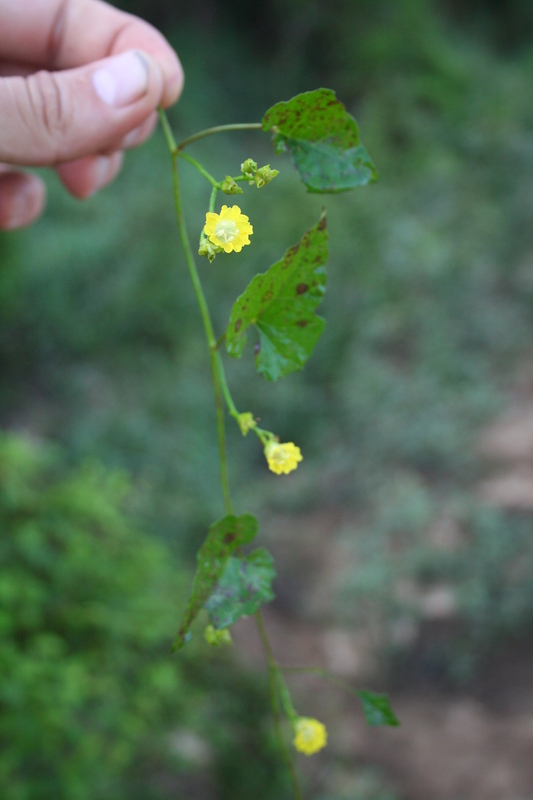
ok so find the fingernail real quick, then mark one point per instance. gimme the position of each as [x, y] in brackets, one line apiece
[122, 80]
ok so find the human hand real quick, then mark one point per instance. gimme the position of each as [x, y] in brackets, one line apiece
[80, 82]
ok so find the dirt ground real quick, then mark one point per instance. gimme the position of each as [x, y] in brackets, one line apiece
[451, 745]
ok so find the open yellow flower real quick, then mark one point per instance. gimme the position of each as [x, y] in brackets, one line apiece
[310, 735]
[230, 229]
[282, 458]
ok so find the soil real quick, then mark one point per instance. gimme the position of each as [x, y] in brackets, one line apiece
[451, 744]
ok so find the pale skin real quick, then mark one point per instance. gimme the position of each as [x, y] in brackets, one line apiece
[80, 83]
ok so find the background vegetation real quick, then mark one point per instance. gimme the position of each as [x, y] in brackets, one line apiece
[430, 315]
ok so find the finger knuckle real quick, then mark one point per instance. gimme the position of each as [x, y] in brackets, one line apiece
[49, 105]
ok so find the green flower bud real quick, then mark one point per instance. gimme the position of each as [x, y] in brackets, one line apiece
[216, 638]
[246, 422]
[248, 168]
[208, 249]
[230, 187]
[264, 176]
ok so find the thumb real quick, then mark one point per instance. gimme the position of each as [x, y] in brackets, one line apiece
[52, 117]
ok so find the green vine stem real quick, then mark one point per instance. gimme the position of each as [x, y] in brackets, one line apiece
[199, 167]
[221, 391]
[204, 310]
[213, 198]
[241, 126]
[322, 673]
[274, 676]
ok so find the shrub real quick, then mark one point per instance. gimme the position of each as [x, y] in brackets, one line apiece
[87, 608]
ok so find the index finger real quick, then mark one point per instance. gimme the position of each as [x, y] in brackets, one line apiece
[63, 34]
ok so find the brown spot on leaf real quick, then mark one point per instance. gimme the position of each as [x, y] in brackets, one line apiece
[291, 252]
[302, 288]
[302, 323]
[267, 296]
[322, 223]
[228, 538]
[238, 325]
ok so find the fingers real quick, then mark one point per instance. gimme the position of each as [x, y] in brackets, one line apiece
[140, 134]
[22, 198]
[65, 34]
[87, 175]
[49, 118]
[108, 71]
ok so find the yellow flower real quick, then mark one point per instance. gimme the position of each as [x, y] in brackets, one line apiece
[310, 735]
[282, 457]
[230, 229]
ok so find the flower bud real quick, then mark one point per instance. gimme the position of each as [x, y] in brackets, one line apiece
[246, 422]
[248, 168]
[216, 637]
[230, 187]
[264, 176]
[208, 249]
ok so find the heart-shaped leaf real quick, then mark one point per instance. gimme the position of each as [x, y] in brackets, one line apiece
[222, 539]
[323, 140]
[242, 588]
[281, 304]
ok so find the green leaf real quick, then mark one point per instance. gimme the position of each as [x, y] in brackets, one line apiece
[243, 587]
[377, 710]
[222, 539]
[281, 304]
[323, 140]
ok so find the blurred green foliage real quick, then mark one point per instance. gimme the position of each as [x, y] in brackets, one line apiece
[87, 689]
[92, 704]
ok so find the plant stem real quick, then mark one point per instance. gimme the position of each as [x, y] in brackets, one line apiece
[213, 198]
[221, 432]
[221, 390]
[224, 386]
[206, 317]
[167, 130]
[323, 673]
[243, 126]
[273, 673]
[198, 166]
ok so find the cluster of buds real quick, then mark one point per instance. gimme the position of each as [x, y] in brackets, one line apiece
[230, 230]
[217, 637]
[260, 176]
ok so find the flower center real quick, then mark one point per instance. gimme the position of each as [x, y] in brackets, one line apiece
[307, 732]
[226, 230]
[279, 454]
